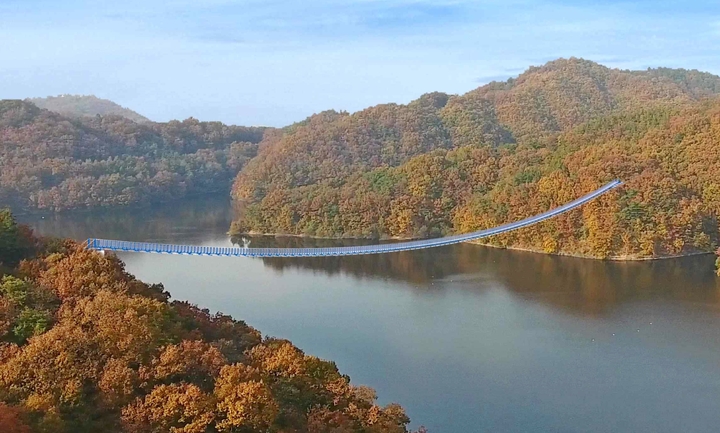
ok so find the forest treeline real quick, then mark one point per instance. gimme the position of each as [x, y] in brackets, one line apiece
[86, 347]
[52, 162]
[448, 164]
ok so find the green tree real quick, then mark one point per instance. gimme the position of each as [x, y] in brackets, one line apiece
[29, 323]
[11, 248]
[15, 290]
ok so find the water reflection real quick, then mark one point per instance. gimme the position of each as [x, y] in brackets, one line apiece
[575, 285]
[187, 221]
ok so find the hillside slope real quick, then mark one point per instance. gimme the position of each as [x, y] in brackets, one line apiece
[86, 347]
[86, 106]
[504, 151]
[540, 103]
[48, 161]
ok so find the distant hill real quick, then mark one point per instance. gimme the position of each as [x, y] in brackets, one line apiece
[53, 162]
[565, 93]
[447, 163]
[86, 106]
[693, 81]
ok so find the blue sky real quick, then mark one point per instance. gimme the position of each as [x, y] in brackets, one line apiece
[273, 62]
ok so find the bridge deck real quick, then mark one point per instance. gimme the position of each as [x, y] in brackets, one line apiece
[144, 247]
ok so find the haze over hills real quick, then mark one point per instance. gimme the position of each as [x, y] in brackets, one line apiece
[86, 106]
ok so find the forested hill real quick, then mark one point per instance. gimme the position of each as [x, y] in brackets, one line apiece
[504, 151]
[49, 161]
[86, 106]
[86, 347]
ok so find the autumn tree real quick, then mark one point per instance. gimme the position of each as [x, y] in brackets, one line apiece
[177, 408]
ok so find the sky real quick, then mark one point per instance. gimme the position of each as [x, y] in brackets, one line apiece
[275, 62]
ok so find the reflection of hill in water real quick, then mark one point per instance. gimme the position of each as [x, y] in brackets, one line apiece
[187, 221]
[576, 285]
[413, 266]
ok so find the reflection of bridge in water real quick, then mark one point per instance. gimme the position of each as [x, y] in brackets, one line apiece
[144, 247]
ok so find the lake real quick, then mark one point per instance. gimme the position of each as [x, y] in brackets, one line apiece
[466, 338]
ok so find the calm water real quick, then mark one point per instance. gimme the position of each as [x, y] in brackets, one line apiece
[466, 338]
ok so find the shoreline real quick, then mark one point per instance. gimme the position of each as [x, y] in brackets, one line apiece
[617, 258]
[607, 259]
[304, 236]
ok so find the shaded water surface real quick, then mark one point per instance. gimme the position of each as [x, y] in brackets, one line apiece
[466, 338]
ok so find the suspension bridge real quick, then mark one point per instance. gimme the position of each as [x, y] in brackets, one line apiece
[195, 250]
